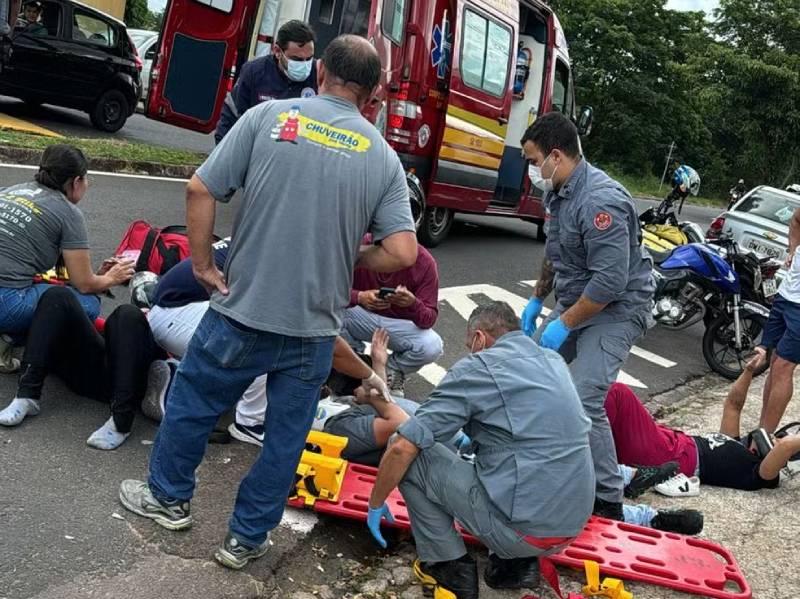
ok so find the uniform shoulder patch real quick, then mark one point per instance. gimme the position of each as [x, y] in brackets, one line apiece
[602, 221]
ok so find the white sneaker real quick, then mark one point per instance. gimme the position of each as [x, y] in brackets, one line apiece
[679, 486]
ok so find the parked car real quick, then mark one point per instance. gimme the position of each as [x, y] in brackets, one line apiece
[146, 43]
[81, 58]
[759, 222]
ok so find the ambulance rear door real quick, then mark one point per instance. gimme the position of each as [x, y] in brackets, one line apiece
[197, 52]
[479, 103]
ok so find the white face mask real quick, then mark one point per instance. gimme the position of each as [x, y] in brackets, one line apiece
[298, 70]
[535, 175]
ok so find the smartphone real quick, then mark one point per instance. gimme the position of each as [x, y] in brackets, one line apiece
[384, 291]
[130, 255]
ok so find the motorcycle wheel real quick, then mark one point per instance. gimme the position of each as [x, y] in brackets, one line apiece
[719, 350]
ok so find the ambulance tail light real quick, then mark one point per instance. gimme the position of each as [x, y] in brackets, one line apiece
[403, 117]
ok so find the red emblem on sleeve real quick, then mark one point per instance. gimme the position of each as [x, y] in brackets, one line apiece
[602, 221]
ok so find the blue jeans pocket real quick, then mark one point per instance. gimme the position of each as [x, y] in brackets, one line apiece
[317, 359]
[227, 344]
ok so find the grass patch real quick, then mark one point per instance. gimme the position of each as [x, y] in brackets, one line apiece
[647, 186]
[105, 148]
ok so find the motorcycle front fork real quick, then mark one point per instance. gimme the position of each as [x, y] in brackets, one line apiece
[737, 323]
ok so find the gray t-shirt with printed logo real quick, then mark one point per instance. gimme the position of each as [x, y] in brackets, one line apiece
[36, 224]
[316, 176]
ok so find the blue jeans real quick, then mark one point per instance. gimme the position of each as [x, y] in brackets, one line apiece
[221, 361]
[18, 305]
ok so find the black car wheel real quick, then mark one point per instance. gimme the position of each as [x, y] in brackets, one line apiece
[110, 112]
[434, 225]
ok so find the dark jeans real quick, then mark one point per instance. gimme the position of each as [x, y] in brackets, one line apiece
[221, 361]
[111, 366]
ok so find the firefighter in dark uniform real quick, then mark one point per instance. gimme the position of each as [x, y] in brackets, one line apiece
[602, 278]
[289, 72]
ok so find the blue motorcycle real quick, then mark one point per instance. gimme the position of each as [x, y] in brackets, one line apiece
[699, 283]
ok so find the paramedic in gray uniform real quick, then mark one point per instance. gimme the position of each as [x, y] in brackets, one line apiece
[602, 278]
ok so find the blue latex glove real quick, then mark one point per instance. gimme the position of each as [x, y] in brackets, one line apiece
[374, 517]
[530, 314]
[463, 442]
[554, 334]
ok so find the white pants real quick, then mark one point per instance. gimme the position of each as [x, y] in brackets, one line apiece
[412, 347]
[173, 329]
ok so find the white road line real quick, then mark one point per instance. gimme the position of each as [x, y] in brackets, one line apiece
[299, 520]
[433, 373]
[458, 298]
[636, 351]
[104, 173]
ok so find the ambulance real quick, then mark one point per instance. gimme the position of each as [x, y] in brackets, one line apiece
[462, 80]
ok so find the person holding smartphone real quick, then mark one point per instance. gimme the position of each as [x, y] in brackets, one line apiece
[406, 305]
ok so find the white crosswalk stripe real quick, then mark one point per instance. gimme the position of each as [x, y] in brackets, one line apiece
[459, 299]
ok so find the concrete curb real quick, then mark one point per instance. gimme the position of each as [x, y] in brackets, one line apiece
[14, 155]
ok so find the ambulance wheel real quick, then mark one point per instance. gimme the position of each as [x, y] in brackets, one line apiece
[540, 234]
[434, 225]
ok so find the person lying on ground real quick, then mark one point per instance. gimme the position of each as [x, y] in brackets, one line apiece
[408, 313]
[531, 489]
[718, 459]
[41, 226]
[370, 423]
[179, 303]
[110, 366]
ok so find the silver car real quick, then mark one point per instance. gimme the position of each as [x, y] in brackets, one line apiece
[146, 43]
[759, 222]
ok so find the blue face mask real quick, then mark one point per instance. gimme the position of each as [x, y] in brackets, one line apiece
[298, 70]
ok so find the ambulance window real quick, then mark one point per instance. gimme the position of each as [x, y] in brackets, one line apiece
[326, 10]
[225, 6]
[394, 19]
[355, 17]
[560, 88]
[485, 47]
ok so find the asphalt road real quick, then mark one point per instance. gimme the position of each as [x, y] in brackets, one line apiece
[58, 535]
[138, 128]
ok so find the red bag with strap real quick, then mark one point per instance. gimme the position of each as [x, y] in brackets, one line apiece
[160, 249]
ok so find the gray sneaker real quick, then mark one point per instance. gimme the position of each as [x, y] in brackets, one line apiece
[135, 495]
[396, 381]
[158, 377]
[233, 554]
[8, 363]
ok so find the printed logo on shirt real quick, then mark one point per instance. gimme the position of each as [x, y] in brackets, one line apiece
[308, 92]
[265, 97]
[717, 440]
[602, 221]
[291, 125]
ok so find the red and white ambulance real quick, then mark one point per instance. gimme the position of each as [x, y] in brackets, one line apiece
[462, 81]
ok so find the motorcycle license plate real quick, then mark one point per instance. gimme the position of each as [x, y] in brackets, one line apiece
[769, 287]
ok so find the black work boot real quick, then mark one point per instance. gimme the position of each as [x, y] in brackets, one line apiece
[459, 576]
[608, 509]
[685, 522]
[647, 477]
[514, 573]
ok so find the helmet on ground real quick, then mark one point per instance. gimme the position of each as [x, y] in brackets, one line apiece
[143, 288]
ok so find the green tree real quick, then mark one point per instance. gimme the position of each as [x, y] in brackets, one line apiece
[628, 57]
[136, 14]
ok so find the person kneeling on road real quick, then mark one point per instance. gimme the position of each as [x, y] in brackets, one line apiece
[531, 489]
[408, 313]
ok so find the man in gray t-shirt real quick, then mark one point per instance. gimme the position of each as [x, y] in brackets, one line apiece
[316, 176]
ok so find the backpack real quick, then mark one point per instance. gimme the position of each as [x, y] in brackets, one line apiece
[159, 249]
